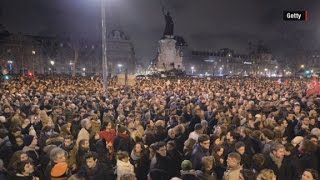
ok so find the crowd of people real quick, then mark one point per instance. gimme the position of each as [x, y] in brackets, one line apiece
[159, 129]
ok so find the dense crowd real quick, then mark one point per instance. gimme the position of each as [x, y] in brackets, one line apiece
[63, 128]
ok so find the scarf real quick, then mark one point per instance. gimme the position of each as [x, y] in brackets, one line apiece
[134, 156]
[276, 160]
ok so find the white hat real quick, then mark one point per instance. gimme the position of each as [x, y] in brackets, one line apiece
[3, 119]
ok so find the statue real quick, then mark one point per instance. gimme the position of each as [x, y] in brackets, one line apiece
[168, 31]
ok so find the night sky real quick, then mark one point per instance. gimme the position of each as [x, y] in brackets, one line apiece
[205, 24]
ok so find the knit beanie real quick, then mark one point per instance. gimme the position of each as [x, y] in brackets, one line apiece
[186, 165]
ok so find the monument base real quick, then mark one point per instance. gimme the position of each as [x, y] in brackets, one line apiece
[169, 58]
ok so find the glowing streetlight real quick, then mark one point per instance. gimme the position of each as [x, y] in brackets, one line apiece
[220, 68]
[10, 62]
[83, 69]
[52, 63]
[276, 67]
[192, 69]
[302, 66]
[119, 66]
[265, 69]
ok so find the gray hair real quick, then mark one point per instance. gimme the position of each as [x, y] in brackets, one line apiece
[55, 152]
[84, 122]
[276, 147]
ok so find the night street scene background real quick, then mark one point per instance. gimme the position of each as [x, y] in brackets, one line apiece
[159, 90]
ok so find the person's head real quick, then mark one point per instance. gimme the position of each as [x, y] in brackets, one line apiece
[283, 123]
[109, 125]
[86, 123]
[278, 150]
[310, 174]
[123, 156]
[240, 147]
[91, 160]
[68, 140]
[207, 163]
[266, 174]
[289, 149]
[30, 140]
[57, 155]
[186, 165]
[3, 133]
[84, 144]
[218, 150]
[306, 121]
[161, 149]
[233, 160]
[258, 160]
[138, 148]
[306, 146]
[313, 139]
[18, 156]
[25, 168]
[171, 145]
[204, 141]
[19, 140]
[268, 134]
[171, 133]
[198, 128]
[231, 136]
[215, 140]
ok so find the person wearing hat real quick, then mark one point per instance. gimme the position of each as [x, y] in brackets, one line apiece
[187, 172]
[198, 130]
[201, 149]
[60, 171]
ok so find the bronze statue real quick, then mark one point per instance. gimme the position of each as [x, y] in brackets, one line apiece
[169, 24]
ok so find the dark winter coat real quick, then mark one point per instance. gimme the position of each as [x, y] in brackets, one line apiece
[196, 157]
[283, 173]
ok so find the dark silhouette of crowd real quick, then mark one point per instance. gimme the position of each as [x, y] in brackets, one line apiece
[63, 128]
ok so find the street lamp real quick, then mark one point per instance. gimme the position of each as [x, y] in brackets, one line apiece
[10, 65]
[302, 66]
[83, 69]
[119, 66]
[33, 53]
[192, 69]
[52, 63]
[276, 67]
[104, 46]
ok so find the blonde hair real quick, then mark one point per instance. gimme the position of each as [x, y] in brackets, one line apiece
[266, 174]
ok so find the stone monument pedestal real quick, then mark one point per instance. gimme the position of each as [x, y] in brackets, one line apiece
[169, 57]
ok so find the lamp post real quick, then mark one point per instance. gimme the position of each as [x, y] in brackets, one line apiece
[10, 66]
[104, 46]
[119, 66]
[33, 54]
[52, 64]
[192, 69]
